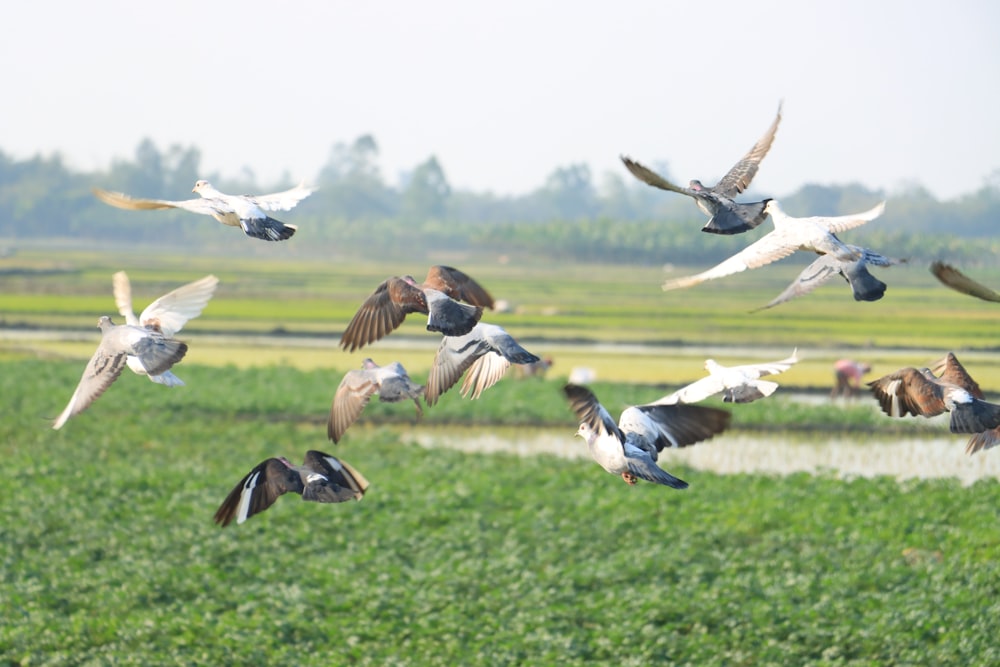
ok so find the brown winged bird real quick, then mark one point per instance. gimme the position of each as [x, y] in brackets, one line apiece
[910, 391]
[437, 297]
[949, 367]
[727, 216]
[390, 382]
[959, 282]
[321, 478]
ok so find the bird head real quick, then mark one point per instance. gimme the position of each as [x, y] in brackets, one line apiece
[585, 432]
[696, 185]
[368, 364]
[104, 323]
[201, 186]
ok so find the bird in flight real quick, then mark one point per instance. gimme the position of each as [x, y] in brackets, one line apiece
[437, 297]
[321, 478]
[391, 382]
[167, 315]
[816, 233]
[249, 212]
[155, 352]
[630, 448]
[726, 215]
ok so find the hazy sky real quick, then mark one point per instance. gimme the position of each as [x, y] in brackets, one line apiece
[884, 93]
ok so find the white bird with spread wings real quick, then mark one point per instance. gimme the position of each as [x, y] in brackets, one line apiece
[249, 212]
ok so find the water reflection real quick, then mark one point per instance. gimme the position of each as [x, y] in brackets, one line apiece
[781, 453]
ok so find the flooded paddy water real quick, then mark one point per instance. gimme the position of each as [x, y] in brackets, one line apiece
[781, 453]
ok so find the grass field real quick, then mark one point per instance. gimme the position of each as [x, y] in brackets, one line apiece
[110, 557]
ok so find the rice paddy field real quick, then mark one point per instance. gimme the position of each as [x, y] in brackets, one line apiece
[467, 552]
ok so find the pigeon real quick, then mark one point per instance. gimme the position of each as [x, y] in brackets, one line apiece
[958, 281]
[167, 315]
[437, 297]
[789, 234]
[910, 391]
[486, 352]
[155, 352]
[630, 447]
[391, 382]
[246, 211]
[737, 384]
[864, 285]
[950, 368]
[727, 216]
[321, 478]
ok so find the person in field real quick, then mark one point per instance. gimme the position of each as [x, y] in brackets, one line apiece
[847, 375]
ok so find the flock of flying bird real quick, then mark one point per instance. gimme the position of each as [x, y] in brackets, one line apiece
[453, 303]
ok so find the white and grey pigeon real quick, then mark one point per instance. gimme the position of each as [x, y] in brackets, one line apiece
[391, 382]
[737, 384]
[486, 353]
[864, 285]
[155, 352]
[726, 215]
[789, 234]
[321, 478]
[249, 212]
[630, 447]
[167, 315]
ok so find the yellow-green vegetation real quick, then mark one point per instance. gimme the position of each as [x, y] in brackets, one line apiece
[558, 310]
[108, 553]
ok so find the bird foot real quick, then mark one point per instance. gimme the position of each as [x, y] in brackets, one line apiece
[629, 478]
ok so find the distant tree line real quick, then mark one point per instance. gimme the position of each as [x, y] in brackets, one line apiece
[357, 212]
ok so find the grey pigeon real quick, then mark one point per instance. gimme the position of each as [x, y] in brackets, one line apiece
[486, 353]
[737, 384]
[390, 382]
[630, 447]
[321, 478]
[155, 353]
[790, 234]
[249, 212]
[726, 215]
[911, 391]
[864, 285]
[437, 297]
[167, 315]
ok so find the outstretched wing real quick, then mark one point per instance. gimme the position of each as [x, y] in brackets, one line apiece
[171, 312]
[283, 201]
[353, 394]
[458, 285]
[958, 281]
[257, 491]
[124, 201]
[650, 177]
[738, 178]
[769, 248]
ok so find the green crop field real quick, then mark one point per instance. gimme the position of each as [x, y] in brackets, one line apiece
[110, 557]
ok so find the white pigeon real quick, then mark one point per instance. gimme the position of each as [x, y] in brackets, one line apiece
[486, 353]
[248, 212]
[155, 352]
[630, 447]
[738, 384]
[789, 234]
[167, 315]
[391, 382]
